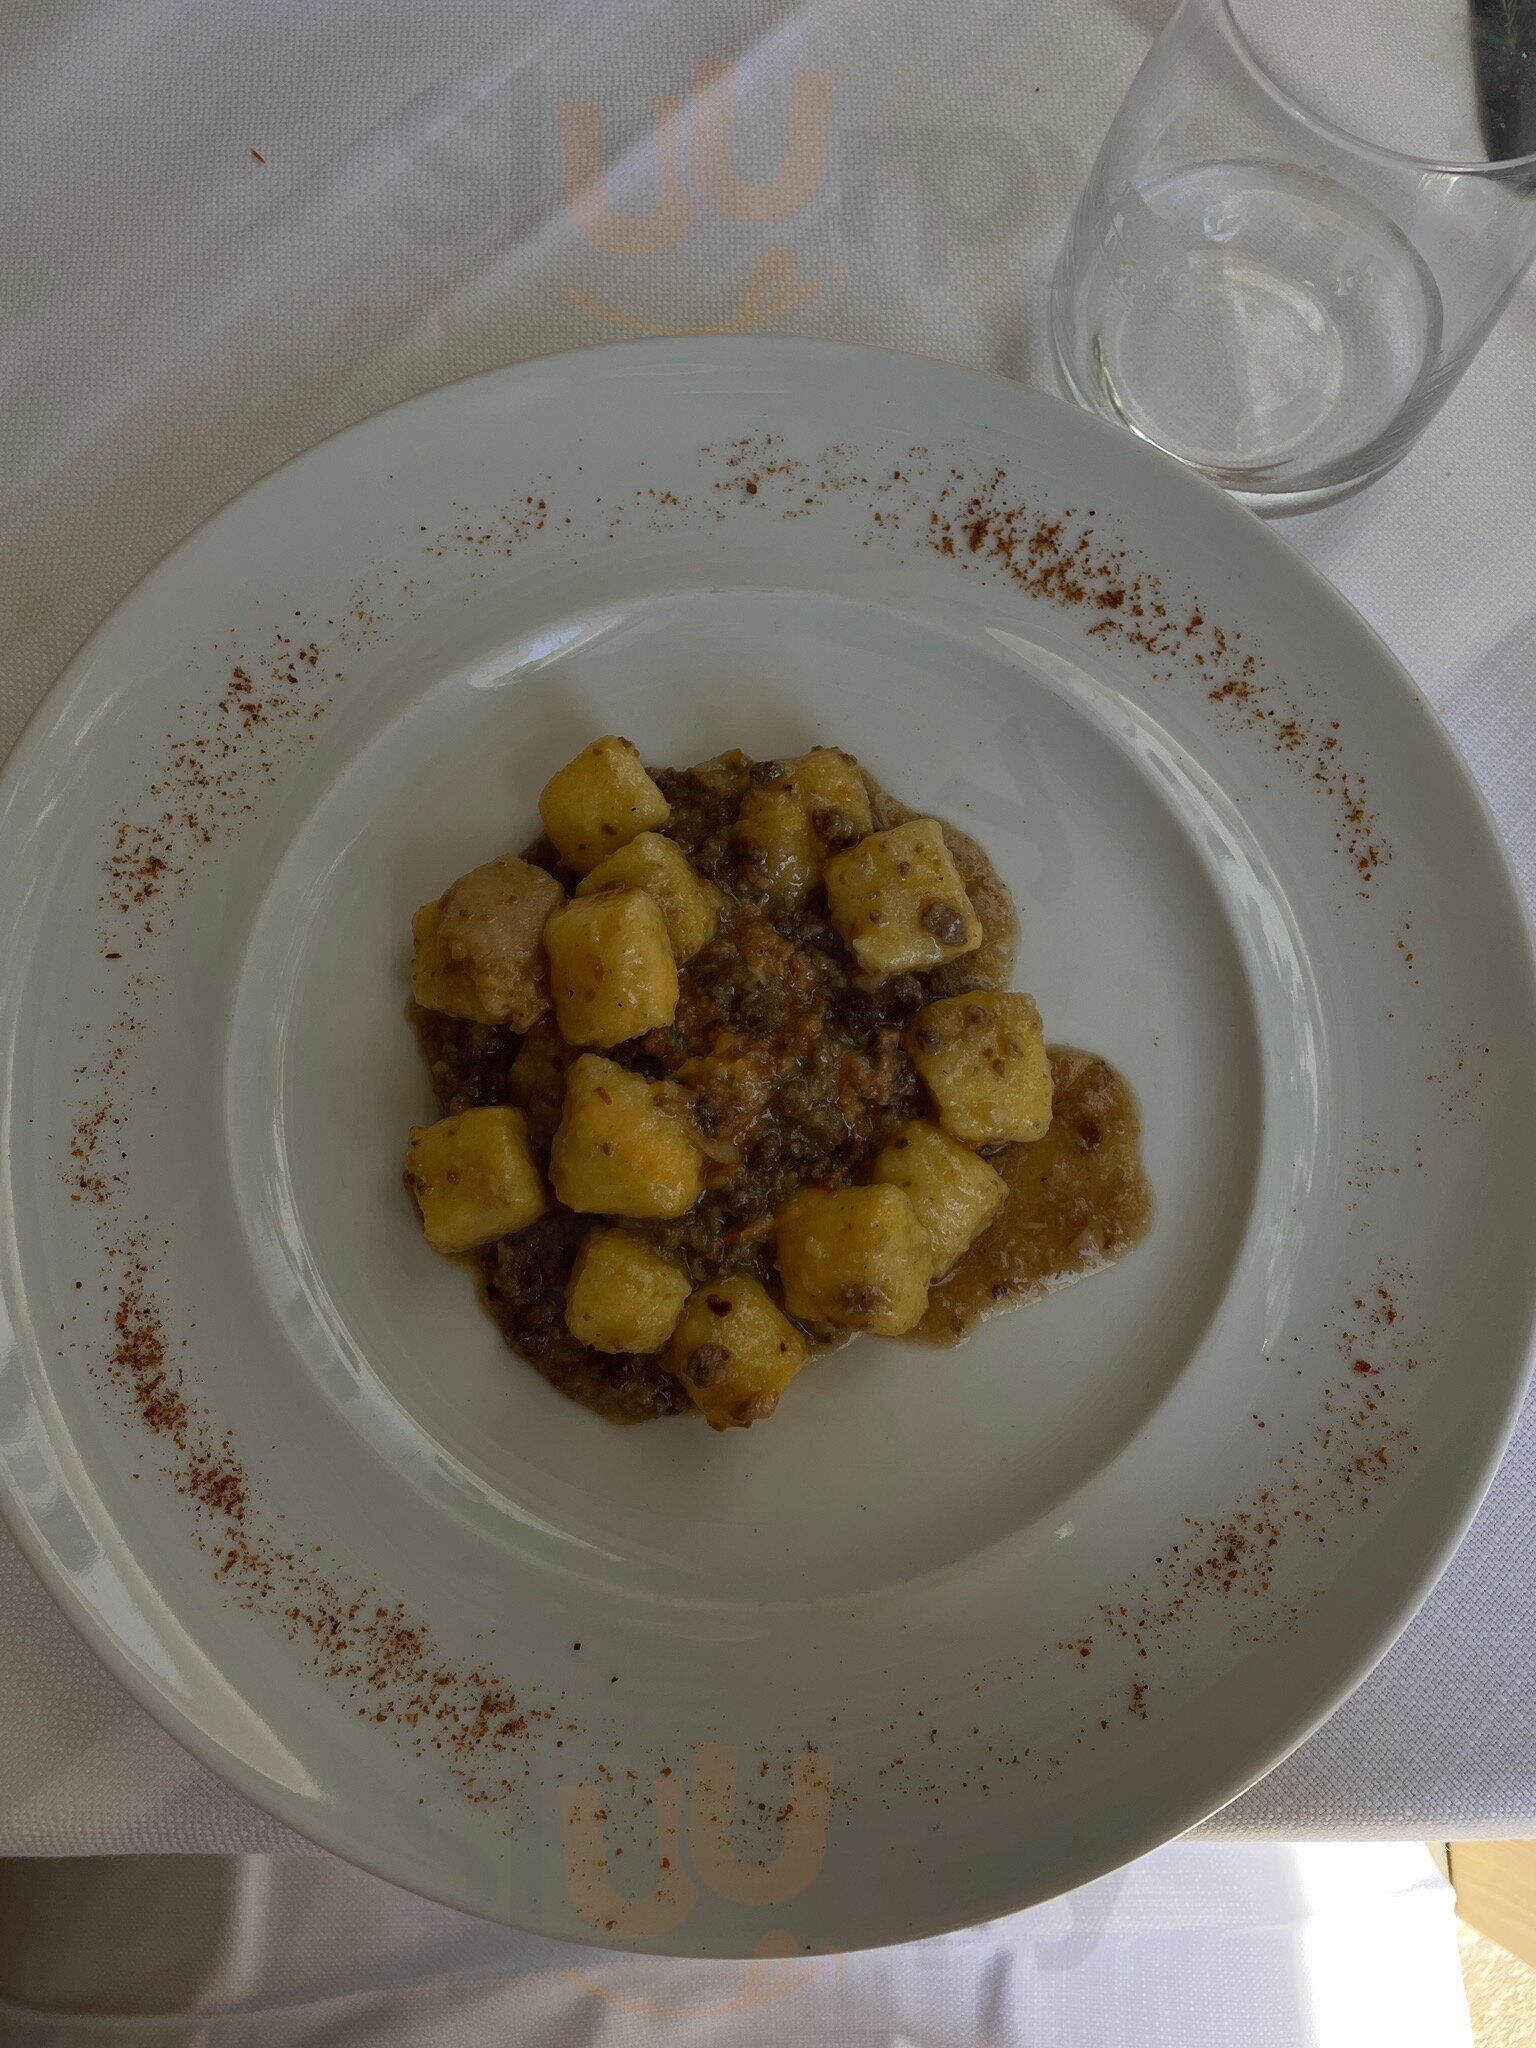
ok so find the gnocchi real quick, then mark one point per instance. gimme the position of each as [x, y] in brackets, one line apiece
[480, 947]
[599, 801]
[788, 825]
[474, 1177]
[856, 1259]
[625, 1295]
[612, 971]
[734, 1352]
[954, 1193]
[983, 1059]
[710, 1102]
[687, 902]
[898, 901]
[618, 1150]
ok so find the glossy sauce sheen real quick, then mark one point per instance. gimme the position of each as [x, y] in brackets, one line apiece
[1077, 1199]
[793, 1078]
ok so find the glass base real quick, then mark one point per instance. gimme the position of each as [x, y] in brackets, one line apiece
[1269, 500]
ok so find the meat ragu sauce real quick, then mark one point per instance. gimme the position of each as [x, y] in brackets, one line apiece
[791, 1077]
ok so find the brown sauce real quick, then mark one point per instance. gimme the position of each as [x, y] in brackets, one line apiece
[793, 1077]
[1077, 1199]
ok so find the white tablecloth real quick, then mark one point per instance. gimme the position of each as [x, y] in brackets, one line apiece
[1325, 1945]
[227, 230]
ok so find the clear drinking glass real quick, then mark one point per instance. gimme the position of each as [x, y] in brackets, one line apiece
[1305, 218]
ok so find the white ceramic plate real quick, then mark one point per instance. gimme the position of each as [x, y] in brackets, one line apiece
[956, 1630]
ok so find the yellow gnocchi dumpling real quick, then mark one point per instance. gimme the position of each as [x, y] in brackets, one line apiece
[625, 1295]
[983, 1059]
[832, 787]
[786, 828]
[780, 851]
[721, 775]
[856, 1258]
[600, 801]
[619, 1151]
[661, 868]
[734, 1353]
[480, 947]
[955, 1194]
[475, 1178]
[898, 901]
[612, 972]
[437, 982]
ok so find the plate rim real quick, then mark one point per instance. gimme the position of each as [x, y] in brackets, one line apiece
[314, 1823]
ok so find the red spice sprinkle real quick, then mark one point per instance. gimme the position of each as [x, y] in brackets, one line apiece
[1069, 566]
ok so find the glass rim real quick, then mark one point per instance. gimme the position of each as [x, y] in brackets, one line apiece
[1299, 110]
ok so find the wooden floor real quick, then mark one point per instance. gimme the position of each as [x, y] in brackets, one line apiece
[1496, 1900]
